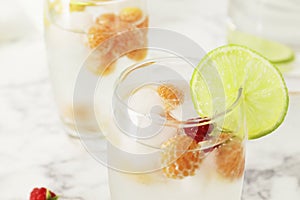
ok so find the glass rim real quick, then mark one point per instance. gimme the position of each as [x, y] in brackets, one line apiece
[193, 122]
[98, 2]
[91, 3]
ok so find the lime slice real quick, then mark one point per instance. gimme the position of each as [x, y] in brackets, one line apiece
[264, 93]
[79, 6]
[274, 51]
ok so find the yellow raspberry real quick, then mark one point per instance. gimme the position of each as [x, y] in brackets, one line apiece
[171, 95]
[131, 14]
[180, 157]
[230, 159]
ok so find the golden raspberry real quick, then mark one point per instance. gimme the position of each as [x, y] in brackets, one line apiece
[180, 157]
[144, 24]
[171, 95]
[131, 14]
[107, 19]
[137, 55]
[106, 26]
[98, 33]
[230, 159]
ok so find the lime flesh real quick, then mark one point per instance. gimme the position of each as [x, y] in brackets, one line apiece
[264, 93]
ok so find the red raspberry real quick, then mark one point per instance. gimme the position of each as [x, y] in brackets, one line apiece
[199, 133]
[42, 194]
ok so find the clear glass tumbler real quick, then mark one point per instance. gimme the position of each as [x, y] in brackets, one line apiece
[73, 29]
[159, 146]
[270, 27]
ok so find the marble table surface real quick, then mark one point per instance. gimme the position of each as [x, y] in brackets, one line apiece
[35, 151]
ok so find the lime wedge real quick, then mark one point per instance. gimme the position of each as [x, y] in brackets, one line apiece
[274, 51]
[264, 93]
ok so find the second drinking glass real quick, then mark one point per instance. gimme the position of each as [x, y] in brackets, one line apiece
[74, 28]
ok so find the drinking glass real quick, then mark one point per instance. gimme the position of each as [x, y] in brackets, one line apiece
[73, 29]
[284, 164]
[161, 148]
[267, 25]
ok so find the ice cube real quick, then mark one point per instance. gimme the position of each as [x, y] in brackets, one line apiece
[145, 105]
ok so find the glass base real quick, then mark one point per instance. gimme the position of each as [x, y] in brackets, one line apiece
[81, 131]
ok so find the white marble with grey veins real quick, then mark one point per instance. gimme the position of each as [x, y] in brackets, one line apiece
[35, 151]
